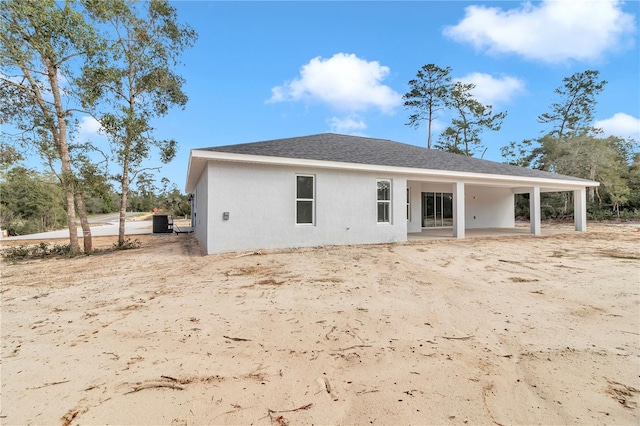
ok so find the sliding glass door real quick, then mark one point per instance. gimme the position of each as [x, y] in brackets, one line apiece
[437, 209]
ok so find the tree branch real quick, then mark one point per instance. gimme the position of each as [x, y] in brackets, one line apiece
[136, 172]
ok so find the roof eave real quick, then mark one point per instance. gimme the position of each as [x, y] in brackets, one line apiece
[195, 171]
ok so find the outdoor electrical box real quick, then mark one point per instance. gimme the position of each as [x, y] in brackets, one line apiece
[225, 216]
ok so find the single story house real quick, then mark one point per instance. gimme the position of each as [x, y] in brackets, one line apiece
[332, 189]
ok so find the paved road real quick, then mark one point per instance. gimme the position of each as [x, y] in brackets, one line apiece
[108, 229]
[109, 217]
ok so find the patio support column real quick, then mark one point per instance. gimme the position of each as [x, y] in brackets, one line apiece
[580, 209]
[534, 210]
[458, 210]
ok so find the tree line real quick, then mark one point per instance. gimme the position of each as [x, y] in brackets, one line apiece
[570, 144]
[33, 202]
[113, 61]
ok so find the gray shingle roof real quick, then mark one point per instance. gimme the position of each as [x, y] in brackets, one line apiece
[361, 150]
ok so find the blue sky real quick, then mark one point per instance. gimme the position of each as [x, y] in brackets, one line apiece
[267, 70]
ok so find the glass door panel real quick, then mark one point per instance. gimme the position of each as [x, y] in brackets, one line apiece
[428, 209]
[437, 209]
[447, 209]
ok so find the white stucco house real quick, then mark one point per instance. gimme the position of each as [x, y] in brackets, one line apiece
[331, 189]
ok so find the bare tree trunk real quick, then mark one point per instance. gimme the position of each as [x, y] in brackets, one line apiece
[123, 201]
[61, 136]
[430, 120]
[59, 133]
[86, 230]
[71, 218]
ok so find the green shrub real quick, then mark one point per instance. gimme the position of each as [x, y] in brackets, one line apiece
[127, 244]
[61, 250]
[15, 253]
[38, 251]
[630, 214]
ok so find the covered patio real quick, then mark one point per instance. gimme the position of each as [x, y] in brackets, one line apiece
[428, 234]
[483, 205]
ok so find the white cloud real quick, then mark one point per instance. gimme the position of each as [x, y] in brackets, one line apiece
[490, 90]
[551, 31]
[347, 125]
[621, 125]
[63, 81]
[344, 82]
[17, 79]
[89, 127]
[437, 126]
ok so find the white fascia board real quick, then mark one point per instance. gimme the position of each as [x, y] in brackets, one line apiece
[188, 187]
[196, 166]
[409, 172]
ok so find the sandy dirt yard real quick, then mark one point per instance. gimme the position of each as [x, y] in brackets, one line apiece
[502, 330]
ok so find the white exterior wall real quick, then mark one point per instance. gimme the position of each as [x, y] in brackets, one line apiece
[415, 224]
[260, 200]
[201, 195]
[489, 207]
[437, 187]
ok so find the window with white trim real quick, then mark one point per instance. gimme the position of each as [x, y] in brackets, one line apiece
[384, 201]
[305, 200]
